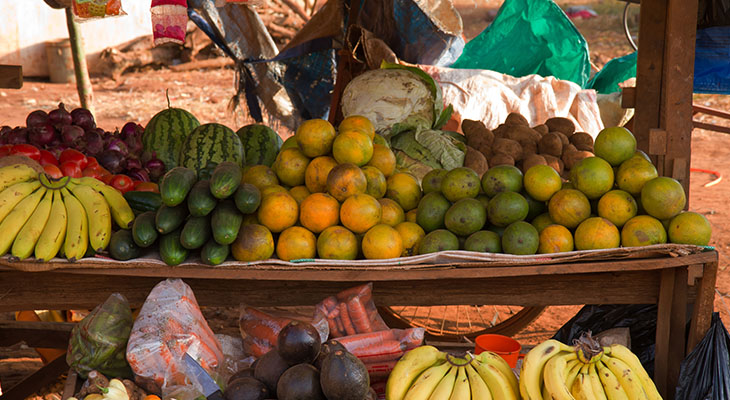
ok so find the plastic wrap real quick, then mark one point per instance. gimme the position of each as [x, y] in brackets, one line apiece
[84, 10]
[705, 373]
[379, 351]
[351, 312]
[260, 330]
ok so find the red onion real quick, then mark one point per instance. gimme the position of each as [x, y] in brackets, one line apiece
[41, 136]
[133, 163]
[156, 169]
[36, 118]
[138, 175]
[111, 160]
[18, 136]
[60, 117]
[70, 134]
[117, 144]
[4, 131]
[83, 118]
[134, 144]
[131, 129]
[94, 142]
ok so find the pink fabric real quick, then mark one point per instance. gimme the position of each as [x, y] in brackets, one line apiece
[183, 3]
[169, 21]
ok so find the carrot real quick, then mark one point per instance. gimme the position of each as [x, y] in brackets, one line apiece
[386, 351]
[330, 303]
[262, 332]
[340, 326]
[334, 331]
[256, 348]
[412, 338]
[365, 292]
[358, 315]
[373, 339]
[380, 370]
[346, 321]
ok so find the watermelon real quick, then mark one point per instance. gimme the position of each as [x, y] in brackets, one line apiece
[166, 132]
[211, 143]
[260, 143]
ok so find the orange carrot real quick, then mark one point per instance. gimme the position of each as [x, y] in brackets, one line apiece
[330, 303]
[358, 315]
[340, 326]
[363, 291]
[386, 351]
[334, 331]
[373, 339]
[380, 370]
[346, 321]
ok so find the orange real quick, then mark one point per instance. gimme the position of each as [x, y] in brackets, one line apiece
[290, 166]
[431, 182]
[633, 173]
[663, 197]
[260, 176]
[460, 183]
[299, 193]
[404, 189]
[383, 159]
[352, 147]
[411, 234]
[542, 182]
[615, 145]
[542, 221]
[376, 181]
[593, 176]
[344, 180]
[315, 175]
[278, 211]
[412, 216]
[643, 230]
[690, 228]
[596, 233]
[253, 243]
[617, 206]
[569, 207]
[392, 212]
[249, 219]
[555, 239]
[319, 211]
[502, 178]
[360, 212]
[315, 137]
[382, 241]
[296, 243]
[267, 190]
[337, 243]
[357, 123]
[290, 142]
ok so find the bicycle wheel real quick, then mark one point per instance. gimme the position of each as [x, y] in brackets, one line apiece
[456, 322]
[631, 24]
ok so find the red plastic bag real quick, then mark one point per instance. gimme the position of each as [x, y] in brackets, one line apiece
[260, 330]
[379, 350]
[91, 9]
[352, 311]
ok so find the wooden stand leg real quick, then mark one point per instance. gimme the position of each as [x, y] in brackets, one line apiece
[704, 306]
[663, 330]
[678, 329]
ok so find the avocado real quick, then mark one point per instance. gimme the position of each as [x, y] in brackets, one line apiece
[328, 347]
[344, 377]
[371, 394]
[242, 373]
[298, 343]
[300, 382]
[246, 388]
[269, 368]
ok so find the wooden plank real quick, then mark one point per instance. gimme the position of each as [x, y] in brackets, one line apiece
[36, 380]
[663, 331]
[710, 127]
[694, 272]
[69, 387]
[703, 306]
[628, 97]
[53, 335]
[11, 76]
[678, 326]
[696, 108]
[679, 169]
[657, 142]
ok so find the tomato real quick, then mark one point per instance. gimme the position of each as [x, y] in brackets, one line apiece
[74, 156]
[146, 187]
[47, 158]
[26, 150]
[91, 162]
[5, 150]
[106, 177]
[70, 168]
[123, 183]
[53, 171]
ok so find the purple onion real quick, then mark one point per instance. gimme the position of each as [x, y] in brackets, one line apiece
[18, 136]
[131, 129]
[70, 134]
[94, 142]
[83, 118]
[138, 174]
[60, 117]
[36, 118]
[156, 169]
[4, 131]
[132, 163]
[111, 160]
[134, 144]
[41, 136]
[117, 144]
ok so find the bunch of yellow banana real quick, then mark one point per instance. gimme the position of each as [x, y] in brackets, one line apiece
[47, 217]
[426, 373]
[556, 371]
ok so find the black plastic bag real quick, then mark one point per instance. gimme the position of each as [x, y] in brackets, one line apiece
[705, 373]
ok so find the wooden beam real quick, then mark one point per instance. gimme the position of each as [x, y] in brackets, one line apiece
[663, 332]
[11, 76]
[38, 379]
[52, 335]
[703, 306]
[678, 329]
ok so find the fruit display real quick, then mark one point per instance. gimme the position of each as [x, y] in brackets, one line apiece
[165, 134]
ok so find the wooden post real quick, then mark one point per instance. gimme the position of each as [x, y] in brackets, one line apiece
[83, 84]
[11, 76]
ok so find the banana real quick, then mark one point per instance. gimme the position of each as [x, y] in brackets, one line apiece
[77, 232]
[582, 357]
[596, 383]
[487, 357]
[630, 382]
[611, 385]
[30, 233]
[10, 197]
[121, 211]
[479, 388]
[426, 382]
[573, 369]
[409, 368]
[88, 181]
[98, 214]
[498, 384]
[462, 390]
[554, 375]
[624, 354]
[54, 232]
[582, 389]
[13, 223]
[16, 173]
[446, 385]
[531, 374]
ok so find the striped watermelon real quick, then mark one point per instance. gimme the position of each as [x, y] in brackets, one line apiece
[260, 143]
[166, 132]
[211, 143]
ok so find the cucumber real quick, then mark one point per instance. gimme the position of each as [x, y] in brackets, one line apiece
[225, 180]
[200, 201]
[143, 201]
[122, 246]
[195, 232]
[144, 229]
[168, 219]
[175, 185]
[207, 172]
[214, 253]
[247, 198]
[225, 222]
[171, 251]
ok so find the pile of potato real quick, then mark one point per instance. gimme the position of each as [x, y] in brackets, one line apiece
[554, 143]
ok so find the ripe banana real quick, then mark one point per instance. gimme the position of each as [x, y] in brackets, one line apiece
[582, 389]
[12, 174]
[531, 376]
[496, 381]
[624, 354]
[28, 236]
[446, 386]
[479, 388]
[77, 232]
[54, 232]
[121, 211]
[462, 391]
[487, 357]
[408, 368]
[554, 375]
[573, 369]
[98, 214]
[427, 382]
[13, 223]
[630, 382]
[596, 383]
[611, 385]
[10, 197]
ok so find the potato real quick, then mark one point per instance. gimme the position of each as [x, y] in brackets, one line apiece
[571, 158]
[550, 144]
[541, 129]
[529, 147]
[485, 149]
[509, 147]
[475, 129]
[563, 138]
[561, 125]
[516, 119]
[532, 160]
[585, 147]
[581, 138]
[475, 160]
[554, 162]
[569, 148]
[501, 159]
[520, 133]
[500, 131]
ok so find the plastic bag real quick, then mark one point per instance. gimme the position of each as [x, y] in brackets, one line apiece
[234, 357]
[169, 325]
[530, 37]
[260, 331]
[99, 341]
[614, 72]
[84, 10]
[379, 351]
[169, 21]
[352, 311]
[705, 373]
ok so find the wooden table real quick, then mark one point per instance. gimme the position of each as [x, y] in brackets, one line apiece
[669, 282]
